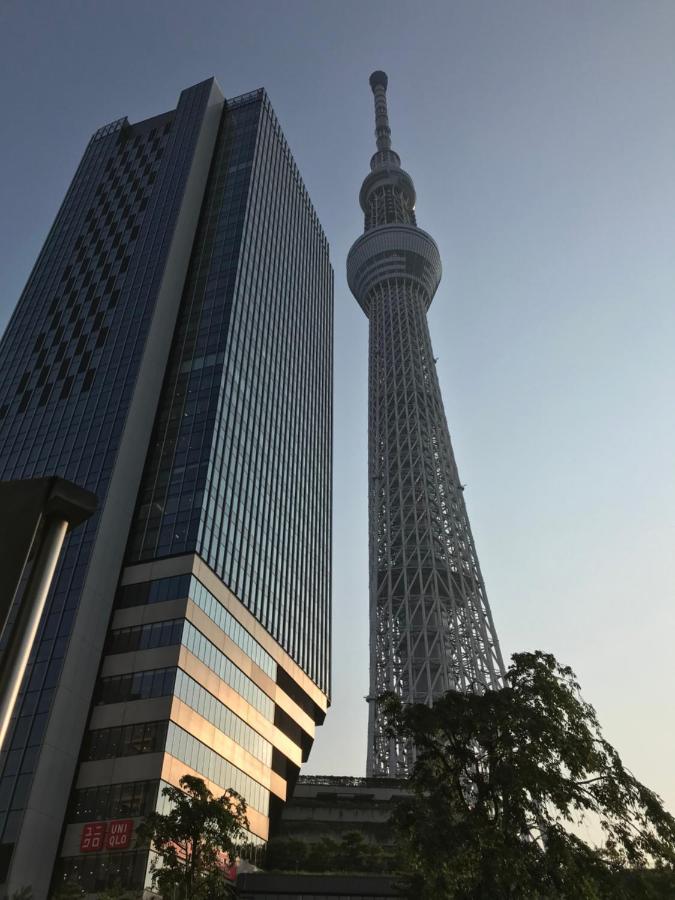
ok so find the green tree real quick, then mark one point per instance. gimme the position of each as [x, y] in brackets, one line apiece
[352, 853]
[193, 839]
[321, 854]
[286, 854]
[501, 782]
[118, 892]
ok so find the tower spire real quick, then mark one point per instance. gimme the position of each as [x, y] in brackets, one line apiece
[378, 83]
[384, 156]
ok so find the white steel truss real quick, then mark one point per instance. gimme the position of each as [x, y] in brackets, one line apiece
[430, 623]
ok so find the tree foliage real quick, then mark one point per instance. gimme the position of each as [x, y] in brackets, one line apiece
[501, 783]
[195, 840]
[118, 892]
[66, 890]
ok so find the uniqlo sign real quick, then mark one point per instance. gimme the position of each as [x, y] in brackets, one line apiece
[93, 837]
[118, 836]
[114, 835]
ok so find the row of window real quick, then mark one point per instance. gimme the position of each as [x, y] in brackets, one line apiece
[160, 682]
[226, 621]
[113, 801]
[183, 746]
[124, 740]
[150, 737]
[138, 798]
[136, 686]
[224, 668]
[199, 699]
[145, 637]
[96, 871]
[156, 591]
[180, 586]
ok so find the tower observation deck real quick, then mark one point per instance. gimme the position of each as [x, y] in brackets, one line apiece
[430, 623]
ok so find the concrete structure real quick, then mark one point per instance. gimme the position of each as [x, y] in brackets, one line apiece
[261, 886]
[331, 806]
[430, 623]
[172, 353]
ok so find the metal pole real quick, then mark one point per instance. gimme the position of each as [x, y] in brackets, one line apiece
[20, 639]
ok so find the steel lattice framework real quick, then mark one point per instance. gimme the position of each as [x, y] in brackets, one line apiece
[430, 623]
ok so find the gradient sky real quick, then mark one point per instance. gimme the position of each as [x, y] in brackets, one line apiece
[541, 138]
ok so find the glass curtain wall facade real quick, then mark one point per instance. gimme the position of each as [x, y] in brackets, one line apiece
[172, 352]
[241, 452]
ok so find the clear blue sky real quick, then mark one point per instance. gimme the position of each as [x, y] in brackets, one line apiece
[541, 137]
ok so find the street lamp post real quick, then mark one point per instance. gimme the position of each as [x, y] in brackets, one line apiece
[35, 516]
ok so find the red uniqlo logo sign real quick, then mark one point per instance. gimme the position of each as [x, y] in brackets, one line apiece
[92, 837]
[106, 835]
[119, 834]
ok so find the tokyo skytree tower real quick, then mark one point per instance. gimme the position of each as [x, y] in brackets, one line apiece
[430, 623]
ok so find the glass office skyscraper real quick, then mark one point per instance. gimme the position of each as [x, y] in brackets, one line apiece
[172, 352]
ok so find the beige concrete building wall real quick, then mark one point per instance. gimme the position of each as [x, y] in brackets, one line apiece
[163, 766]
